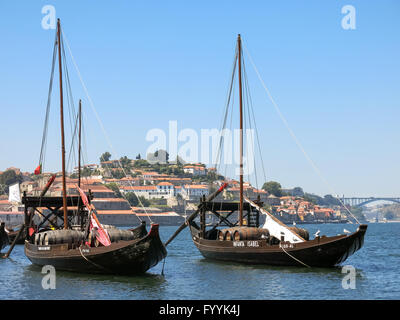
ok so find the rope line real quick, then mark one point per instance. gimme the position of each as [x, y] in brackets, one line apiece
[295, 258]
[293, 135]
[95, 264]
[99, 120]
[45, 128]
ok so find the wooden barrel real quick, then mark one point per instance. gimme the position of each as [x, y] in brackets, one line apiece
[228, 234]
[108, 226]
[62, 236]
[250, 233]
[301, 232]
[119, 234]
[38, 238]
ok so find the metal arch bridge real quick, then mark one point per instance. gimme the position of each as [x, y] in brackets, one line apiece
[359, 202]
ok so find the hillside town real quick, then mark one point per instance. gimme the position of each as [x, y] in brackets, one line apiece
[125, 191]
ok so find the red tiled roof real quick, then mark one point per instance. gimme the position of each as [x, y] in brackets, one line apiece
[196, 186]
[165, 184]
[139, 188]
[100, 212]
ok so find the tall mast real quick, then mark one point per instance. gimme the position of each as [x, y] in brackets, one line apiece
[79, 147]
[241, 128]
[62, 128]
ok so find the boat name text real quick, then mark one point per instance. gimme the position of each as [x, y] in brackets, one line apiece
[246, 244]
[47, 248]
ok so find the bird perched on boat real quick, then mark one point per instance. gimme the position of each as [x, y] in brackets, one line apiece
[317, 233]
[346, 231]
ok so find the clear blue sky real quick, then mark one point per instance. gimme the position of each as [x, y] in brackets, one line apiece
[148, 62]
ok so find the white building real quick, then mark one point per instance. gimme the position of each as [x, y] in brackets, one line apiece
[164, 190]
[194, 191]
[91, 167]
[195, 170]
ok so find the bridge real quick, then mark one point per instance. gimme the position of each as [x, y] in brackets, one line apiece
[359, 202]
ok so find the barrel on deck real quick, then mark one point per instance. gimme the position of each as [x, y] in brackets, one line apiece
[119, 234]
[226, 234]
[115, 235]
[301, 232]
[250, 233]
[243, 233]
[59, 237]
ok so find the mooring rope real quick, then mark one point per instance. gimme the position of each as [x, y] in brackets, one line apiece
[162, 270]
[95, 264]
[294, 257]
[99, 120]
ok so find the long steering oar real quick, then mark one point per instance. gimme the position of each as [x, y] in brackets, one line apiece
[23, 227]
[194, 214]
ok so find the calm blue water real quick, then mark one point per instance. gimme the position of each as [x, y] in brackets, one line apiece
[187, 275]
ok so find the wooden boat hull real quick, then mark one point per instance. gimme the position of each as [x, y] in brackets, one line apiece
[123, 257]
[320, 252]
[4, 240]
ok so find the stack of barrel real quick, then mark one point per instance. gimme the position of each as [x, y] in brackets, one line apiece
[59, 237]
[77, 237]
[243, 233]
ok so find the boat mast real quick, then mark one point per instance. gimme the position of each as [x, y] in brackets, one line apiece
[241, 128]
[79, 147]
[62, 128]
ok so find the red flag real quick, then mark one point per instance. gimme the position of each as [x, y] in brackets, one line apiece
[84, 198]
[38, 170]
[101, 234]
[31, 231]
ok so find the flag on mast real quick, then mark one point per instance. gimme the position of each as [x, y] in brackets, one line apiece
[101, 234]
[38, 170]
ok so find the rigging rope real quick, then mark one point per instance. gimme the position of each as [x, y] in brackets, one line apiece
[229, 95]
[294, 136]
[255, 123]
[46, 122]
[98, 118]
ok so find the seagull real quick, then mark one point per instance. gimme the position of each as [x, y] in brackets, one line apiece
[317, 234]
[346, 231]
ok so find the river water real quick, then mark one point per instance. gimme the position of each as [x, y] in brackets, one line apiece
[188, 276]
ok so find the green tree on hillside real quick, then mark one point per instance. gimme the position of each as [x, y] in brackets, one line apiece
[8, 178]
[106, 156]
[140, 163]
[134, 200]
[273, 187]
[114, 187]
[125, 162]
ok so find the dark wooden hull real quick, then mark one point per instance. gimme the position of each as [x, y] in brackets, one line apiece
[123, 257]
[320, 252]
[4, 240]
